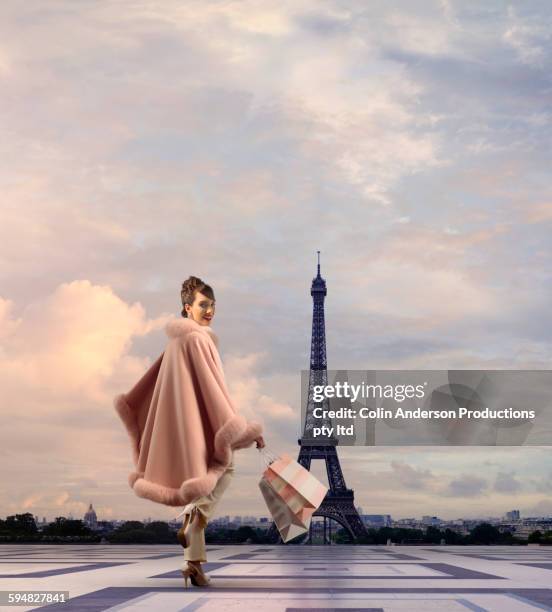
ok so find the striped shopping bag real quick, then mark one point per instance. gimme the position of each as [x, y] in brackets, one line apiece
[292, 494]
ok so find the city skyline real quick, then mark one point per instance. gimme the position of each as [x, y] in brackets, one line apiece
[506, 515]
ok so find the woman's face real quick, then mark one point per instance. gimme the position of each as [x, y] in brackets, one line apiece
[202, 310]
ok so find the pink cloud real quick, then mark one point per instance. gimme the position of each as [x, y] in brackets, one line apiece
[72, 343]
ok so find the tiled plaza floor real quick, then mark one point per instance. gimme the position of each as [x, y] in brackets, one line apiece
[285, 578]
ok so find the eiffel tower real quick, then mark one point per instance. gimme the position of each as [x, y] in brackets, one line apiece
[339, 501]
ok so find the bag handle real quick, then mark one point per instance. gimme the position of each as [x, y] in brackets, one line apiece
[267, 456]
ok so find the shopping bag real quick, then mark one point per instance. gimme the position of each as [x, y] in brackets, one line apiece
[292, 494]
[287, 523]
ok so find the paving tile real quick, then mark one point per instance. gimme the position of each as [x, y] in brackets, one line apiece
[285, 578]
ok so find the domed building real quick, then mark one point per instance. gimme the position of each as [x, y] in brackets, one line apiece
[90, 518]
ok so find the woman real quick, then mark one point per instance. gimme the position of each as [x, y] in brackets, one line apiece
[183, 426]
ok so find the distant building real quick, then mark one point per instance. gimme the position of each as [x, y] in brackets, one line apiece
[513, 515]
[406, 522]
[431, 521]
[376, 520]
[227, 522]
[90, 518]
[39, 523]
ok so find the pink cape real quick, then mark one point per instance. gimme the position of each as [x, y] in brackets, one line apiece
[181, 421]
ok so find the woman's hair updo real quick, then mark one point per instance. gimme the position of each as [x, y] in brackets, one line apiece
[190, 287]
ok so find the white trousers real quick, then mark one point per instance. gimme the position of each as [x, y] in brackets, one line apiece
[195, 531]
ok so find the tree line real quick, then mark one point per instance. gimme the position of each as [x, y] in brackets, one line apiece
[23, 528]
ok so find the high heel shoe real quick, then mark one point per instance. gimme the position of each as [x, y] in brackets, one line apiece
[187, 573]
[196, 575]
[201, 577]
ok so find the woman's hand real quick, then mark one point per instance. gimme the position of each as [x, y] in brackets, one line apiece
[260, 442]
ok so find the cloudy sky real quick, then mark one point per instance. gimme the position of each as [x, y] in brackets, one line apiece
[146, 141]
